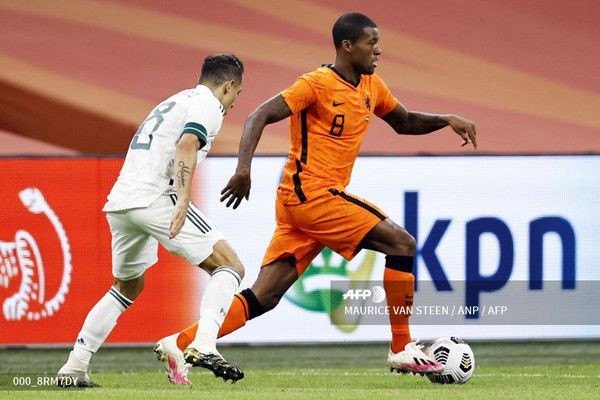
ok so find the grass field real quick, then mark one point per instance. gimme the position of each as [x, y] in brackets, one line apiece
[548, 370]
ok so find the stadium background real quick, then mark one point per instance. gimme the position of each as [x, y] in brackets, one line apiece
[77, 78]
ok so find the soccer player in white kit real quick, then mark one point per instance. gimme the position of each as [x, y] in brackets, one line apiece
[151, 203]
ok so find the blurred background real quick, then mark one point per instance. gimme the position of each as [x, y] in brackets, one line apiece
[77, 77]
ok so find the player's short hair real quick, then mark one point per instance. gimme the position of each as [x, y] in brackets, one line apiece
[221, 68]
[350, 27]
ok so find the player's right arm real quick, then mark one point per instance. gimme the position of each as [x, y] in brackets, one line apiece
[273, 110]
[292, 100]
[185, 165]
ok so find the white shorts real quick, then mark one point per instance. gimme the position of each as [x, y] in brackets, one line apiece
[137, 232]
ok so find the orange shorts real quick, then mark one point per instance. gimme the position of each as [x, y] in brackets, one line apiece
[333, 218]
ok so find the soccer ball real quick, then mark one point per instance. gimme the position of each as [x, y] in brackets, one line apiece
[457, 358]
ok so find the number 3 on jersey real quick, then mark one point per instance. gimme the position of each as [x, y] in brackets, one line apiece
[138, 141]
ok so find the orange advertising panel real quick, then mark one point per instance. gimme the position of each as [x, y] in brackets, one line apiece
[55, 257]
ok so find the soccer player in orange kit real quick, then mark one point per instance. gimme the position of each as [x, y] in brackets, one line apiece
[330, 110]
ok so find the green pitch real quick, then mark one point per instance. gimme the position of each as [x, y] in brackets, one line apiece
[546, 370]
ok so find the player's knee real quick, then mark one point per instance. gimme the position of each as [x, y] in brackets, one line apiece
[239, 267]
[223, 255]
[405, 243]
[268, 300]
[130, 289]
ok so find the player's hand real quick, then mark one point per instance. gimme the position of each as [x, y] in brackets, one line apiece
[465, 128]
[237, 189]
[178, 217]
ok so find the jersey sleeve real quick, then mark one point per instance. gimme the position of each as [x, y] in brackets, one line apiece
[202, 120]
[301, 94]
[386, 101]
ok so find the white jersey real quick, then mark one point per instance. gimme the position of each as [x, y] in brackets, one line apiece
[148, 167]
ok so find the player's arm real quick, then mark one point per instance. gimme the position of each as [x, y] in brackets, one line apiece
[406, 122]
[184, 165]
[273, 110]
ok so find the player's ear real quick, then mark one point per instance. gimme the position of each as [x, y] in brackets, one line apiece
[346, 46]
[229, 86]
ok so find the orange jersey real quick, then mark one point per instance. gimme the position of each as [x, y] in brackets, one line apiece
[330, 118]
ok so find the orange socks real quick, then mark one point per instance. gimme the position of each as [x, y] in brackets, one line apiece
[187, 335]
[245, 306]
[399, 285]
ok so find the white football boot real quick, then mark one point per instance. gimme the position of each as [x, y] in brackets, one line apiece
[413, 359]
[177, 369]
[75, 374]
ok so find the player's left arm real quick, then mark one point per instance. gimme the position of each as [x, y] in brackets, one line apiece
[406, 122]
[185, 165]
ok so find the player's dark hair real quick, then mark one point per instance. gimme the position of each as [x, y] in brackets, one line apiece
[350, 27]
[221, 68]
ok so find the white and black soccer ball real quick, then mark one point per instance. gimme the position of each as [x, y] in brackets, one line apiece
[457, 358]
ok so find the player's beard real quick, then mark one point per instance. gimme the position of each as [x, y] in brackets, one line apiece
[368, 71]
[365, 68]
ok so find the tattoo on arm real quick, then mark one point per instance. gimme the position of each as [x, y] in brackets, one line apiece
[183, 173]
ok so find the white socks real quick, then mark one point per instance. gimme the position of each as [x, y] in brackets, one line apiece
[215, 303]
[99, 323]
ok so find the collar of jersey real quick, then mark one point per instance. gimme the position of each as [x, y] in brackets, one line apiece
[205, 88]
[330, 66]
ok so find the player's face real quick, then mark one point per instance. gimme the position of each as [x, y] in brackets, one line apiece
[366, 52]
[232, 91]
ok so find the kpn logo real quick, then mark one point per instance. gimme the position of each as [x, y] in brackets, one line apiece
[331, 283]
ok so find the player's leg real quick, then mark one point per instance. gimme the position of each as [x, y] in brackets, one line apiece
[273, 280]
[133, 252]
[102, 318]
[346, 223]
[226, 272]
[287, 257]
[202, 244]
[398, 281]
[271, 284]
